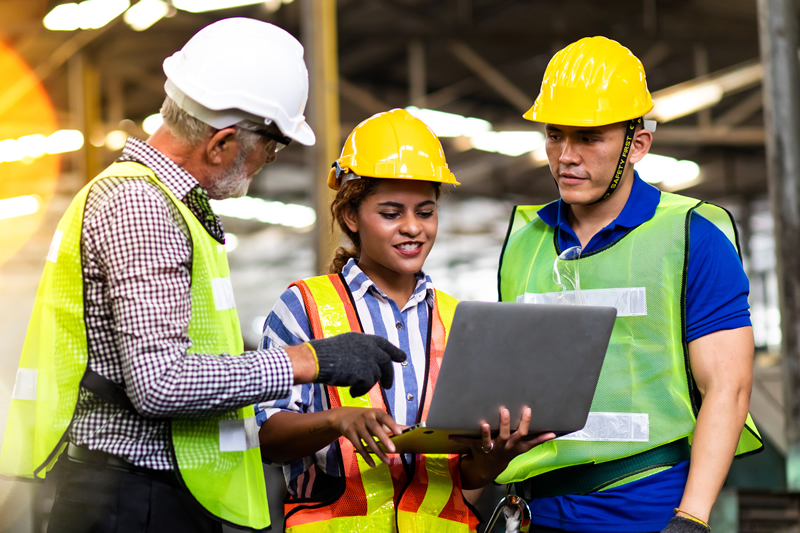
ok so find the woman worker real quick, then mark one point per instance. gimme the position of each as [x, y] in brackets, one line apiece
[388, 181]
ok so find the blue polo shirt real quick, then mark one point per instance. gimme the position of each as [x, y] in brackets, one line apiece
[716, 299]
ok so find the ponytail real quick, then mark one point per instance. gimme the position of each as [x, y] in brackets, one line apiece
[349, 197]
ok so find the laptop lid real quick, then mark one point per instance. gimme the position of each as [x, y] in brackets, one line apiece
[546, 357]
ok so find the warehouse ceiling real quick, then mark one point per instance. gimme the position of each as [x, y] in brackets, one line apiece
[478, 58]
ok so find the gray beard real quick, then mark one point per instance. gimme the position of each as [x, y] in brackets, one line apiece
[230, 183]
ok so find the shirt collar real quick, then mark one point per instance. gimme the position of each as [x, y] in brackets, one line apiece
[360, 284]
[640, 207]
[177, 180]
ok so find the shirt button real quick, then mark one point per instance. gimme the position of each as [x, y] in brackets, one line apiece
[399, 325]
[410, 397]
[404, 363]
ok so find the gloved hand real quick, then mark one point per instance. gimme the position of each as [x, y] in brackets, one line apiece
[680, 524]
[356, 360]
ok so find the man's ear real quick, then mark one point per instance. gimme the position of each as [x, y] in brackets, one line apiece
[350, 219]
[642, 140]
[221, 146]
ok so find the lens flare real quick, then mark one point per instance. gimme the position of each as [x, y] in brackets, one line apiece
[28, 119]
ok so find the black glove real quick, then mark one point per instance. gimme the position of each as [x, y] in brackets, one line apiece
[357, 361]
[679, 524]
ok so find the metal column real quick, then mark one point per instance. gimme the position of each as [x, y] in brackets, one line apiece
[778, 35]
[319, 38]
[84, 97]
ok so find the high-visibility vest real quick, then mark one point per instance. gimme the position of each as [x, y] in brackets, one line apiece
[217, 458]
[383, 498]
[646, 396]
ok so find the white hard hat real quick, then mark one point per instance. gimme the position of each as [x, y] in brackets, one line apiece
[242, 69]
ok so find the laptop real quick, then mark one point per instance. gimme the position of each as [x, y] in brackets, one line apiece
[546, 357]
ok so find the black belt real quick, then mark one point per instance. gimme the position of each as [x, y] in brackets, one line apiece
[586, 478]
[103, 460]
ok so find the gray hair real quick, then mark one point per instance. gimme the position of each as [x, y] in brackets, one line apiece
[193, 131]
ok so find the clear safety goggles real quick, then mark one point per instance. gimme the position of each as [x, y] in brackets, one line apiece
[566, 274]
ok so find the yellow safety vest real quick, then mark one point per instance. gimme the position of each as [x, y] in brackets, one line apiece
[646, 397]
[216, 458]
[384, 498]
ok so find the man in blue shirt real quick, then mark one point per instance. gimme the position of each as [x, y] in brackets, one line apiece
[593, 96]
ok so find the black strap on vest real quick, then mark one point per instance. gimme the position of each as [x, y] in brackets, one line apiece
[586, 478]
[623, 158]
[105, 389]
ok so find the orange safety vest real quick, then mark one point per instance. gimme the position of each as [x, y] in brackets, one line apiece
[382, 498]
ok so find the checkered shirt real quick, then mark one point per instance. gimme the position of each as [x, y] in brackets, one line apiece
[137, 263]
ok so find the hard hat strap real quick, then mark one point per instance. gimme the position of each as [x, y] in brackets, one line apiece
[344, 174]
[630, 130]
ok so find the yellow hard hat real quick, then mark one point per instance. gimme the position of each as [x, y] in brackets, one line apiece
[592, 82]
[394, 144]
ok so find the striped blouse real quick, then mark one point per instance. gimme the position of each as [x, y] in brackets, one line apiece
[288, 324]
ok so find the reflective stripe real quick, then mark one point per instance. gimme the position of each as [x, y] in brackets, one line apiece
[329, 312]
[25, 385]
[378, 486]
[419, 522]
[55, 245]
[613, 427]
[347, 524]
[238, 435]
[440, 485]
[629, 302]
[331, 309]
[223, 294]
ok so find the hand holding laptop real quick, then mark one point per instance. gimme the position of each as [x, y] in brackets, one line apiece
[489, 457]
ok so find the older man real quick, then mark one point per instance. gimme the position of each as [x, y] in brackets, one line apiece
[133, 360]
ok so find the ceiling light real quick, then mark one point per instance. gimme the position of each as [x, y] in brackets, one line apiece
[19, 206]
[9, 151]
[539, 156]
[200, 6]
[701, 93]
[35, 146]
[258, 324]
[231, 242]
[152, 123]
[97, 13]
[87, 15]
[32, 146]
[115, 140]
[687, 101]
[146, 13]
[249, 208]
[64, 17]
[686, 175]
[64, 141]
[449, 124]
[667, 171]
[512, 143]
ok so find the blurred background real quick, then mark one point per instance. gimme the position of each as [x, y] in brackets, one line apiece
[76, 79]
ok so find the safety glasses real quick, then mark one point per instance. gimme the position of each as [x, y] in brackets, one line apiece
[275, 141]
[281, 141]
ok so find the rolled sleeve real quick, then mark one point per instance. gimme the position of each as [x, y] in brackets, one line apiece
[288, 325]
